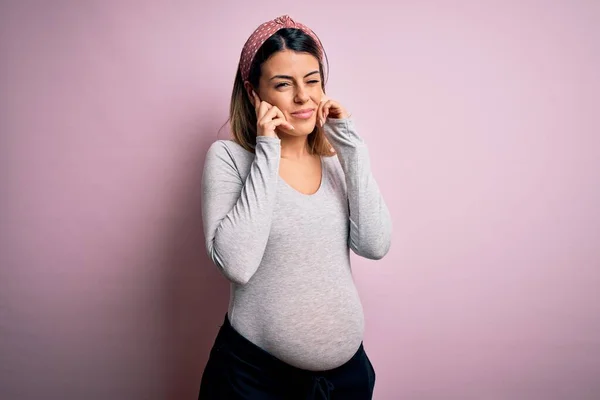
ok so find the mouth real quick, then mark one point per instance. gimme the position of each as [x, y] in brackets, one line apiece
[303, 114]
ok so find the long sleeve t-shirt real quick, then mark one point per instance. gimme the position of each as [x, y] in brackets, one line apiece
[287, 254]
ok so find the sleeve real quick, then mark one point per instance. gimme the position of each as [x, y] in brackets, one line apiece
[370, 222]
[237, 213]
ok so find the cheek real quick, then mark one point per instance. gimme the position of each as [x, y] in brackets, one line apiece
[280, 100]
[317, 94]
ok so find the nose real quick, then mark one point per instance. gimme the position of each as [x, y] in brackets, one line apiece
[301, 95]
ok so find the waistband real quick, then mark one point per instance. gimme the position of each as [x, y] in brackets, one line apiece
[244, 348]
[318, 382]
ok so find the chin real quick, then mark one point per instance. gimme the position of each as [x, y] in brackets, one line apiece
[300, 130]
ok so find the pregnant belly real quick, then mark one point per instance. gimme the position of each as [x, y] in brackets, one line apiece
[315, 327]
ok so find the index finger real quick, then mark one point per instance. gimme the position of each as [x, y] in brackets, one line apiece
[320, 110]
[256, 101]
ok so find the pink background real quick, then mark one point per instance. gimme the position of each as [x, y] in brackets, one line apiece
[482, 122]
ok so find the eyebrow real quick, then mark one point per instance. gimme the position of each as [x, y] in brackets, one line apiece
[291, 78]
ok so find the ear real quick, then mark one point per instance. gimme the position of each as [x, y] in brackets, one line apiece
[249, 89]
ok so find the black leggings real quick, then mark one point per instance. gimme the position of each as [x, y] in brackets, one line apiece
[239, 369]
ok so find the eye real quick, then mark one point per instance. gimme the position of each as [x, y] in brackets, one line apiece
[282, 84]
[314, 81]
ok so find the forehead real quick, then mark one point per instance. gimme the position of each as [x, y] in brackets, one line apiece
[289, 62]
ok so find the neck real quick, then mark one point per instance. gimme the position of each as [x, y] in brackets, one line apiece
[293, 147]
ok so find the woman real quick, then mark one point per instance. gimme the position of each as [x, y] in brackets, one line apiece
[283, 203]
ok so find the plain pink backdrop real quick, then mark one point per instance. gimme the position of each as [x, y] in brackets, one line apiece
[482, 123]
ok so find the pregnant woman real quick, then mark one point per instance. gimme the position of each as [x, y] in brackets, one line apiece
[283, 203]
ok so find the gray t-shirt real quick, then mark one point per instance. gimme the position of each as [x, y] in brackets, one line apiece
[287, 253]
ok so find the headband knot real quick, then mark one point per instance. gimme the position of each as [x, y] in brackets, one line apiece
[285, 20]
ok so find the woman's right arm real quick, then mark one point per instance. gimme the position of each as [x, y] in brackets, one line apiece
[237, 213]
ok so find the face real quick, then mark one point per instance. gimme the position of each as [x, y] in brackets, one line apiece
[291, 81]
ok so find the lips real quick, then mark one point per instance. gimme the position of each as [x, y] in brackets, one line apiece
[303, 114]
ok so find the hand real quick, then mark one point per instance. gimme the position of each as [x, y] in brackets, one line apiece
[330, 108]
[268, 117]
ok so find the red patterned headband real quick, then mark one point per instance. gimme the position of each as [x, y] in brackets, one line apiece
[262, 33]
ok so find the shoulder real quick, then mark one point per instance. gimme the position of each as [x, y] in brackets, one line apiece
[227, 146]
[227, 150]
[227, 157]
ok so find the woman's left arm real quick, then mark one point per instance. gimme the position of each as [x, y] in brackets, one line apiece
[370, 222]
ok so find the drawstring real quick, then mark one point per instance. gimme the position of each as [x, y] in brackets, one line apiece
[321, 389]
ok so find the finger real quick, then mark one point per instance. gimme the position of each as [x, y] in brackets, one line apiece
[320, 114]
[275, 114]
[263, 108]
[334, 108]
[270, 125]
[326, 108]
[255, 101]
[272, 113]
[281, 121]
[260, 106]
[282, 116]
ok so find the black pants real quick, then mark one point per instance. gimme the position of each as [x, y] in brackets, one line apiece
[239, 369]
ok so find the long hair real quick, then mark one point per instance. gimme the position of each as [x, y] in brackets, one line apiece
[242, 115]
